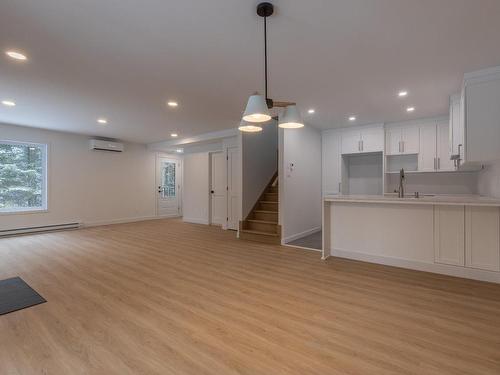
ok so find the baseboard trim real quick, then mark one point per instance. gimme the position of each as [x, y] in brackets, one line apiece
[302, 247]
[457, 271]
[305, 233]
[195, 220]
[121, 221]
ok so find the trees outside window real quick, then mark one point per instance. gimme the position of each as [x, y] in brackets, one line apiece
[22, 176]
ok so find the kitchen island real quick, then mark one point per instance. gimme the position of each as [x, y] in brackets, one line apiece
[453, 235]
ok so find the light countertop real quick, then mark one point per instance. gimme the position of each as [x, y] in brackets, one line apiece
[453, 200]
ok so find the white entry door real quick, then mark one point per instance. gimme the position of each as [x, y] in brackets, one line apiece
[233, 179]
[169, 187]
[218, 188]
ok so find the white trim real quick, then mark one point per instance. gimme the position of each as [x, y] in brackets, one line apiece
[120, 221]
[457, 271]
[195, 220]
[305, 233]
[302, 247]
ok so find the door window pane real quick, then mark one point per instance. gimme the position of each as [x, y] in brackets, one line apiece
[22, 177]
[169, 187]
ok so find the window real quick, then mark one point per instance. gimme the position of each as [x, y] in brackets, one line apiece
[168, 179]
[23, 176]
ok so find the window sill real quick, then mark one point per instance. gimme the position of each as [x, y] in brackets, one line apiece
[25, 211]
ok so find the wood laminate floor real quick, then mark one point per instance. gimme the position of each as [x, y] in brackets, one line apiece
[164, 297]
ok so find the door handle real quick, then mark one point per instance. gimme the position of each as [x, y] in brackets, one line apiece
[212, 192]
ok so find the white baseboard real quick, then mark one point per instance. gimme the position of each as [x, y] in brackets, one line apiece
[195, 220]
[457, 271]
[305, 233]
[121, 221]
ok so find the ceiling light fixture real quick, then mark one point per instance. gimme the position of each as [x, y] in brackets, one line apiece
[179, 150]
[410, 109]
[403, 93]
[249, 127]
[9, 103]
[172, 104]
[102, 121]
[311, 111]
[174, 135]
[16, 55]
[258, 106]
[352, 118]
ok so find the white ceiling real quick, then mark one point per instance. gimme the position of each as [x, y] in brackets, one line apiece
[122, 59]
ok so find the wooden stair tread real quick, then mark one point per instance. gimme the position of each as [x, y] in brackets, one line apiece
[262, 221]
[259, 232]
[266, 212]
[268, 202]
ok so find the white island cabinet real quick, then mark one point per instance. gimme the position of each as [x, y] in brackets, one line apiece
[452, 235]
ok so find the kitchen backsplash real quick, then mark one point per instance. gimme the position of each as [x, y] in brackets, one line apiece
[436, 183]
[489, 180]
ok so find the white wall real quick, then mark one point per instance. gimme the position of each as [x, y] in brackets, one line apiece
[259, 160]
[196, 197]
[300, 203]
[91, 187]
[489, 180]
[435, 183]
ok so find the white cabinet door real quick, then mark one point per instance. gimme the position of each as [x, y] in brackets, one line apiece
[444, 163]
[427, 157]
[410, 140]
[449, 232]
[482, 231]
[331, 158]
[456, 130]
[393, 141]
[372, 140]
[351, 142]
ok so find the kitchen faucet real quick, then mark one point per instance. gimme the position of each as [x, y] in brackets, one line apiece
[401, 191]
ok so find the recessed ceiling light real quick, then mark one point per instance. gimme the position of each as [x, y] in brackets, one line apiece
[410, 109]
[174, 135]
[8, 103]
[352, 118]
[172, 104]
[179, 150]
[102, 121]
[311, 111]
[16, 55]
[403, 93]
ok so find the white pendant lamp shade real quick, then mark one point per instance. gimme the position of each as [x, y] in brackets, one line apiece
[249, 127]
[256, 110]
[291, 118]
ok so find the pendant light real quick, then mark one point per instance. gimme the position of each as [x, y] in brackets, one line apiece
[249, 127]
[291, 118]
[257, 109]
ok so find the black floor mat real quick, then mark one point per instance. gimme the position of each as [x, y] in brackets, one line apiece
[15, 295]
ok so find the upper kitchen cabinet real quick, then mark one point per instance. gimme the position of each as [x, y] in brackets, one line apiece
[456, 129]
[402, 140]
[480, 116]
[331, 162]
[434, 148]
[363, 140]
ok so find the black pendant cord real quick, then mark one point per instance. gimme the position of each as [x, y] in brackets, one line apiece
[265, 55]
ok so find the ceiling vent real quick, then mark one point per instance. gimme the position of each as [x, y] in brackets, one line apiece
[100, 145]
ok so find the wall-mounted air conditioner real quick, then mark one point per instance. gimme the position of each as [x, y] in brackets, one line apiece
[97, 144]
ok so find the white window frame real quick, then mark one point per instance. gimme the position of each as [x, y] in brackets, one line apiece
[44, 207]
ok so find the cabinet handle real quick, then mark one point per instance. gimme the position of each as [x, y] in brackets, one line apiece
[435, 164]
[340, 187]
[439, 163]
[399, 146]
[362, 145]
[403, 146]
[359, 145]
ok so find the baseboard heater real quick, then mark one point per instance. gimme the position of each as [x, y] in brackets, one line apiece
[43, 228]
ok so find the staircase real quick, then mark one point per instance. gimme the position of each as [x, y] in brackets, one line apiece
[261, 225]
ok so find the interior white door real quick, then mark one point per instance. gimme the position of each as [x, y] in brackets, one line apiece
[443, 145]
[427, 160]
[218, 188]
[233, 167]
[168, 178]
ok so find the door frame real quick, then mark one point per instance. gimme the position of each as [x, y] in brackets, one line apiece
[179, 180]
[210, 181]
